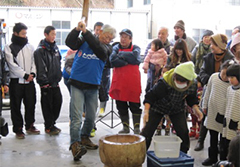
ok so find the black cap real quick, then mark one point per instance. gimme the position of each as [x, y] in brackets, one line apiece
[126, 31]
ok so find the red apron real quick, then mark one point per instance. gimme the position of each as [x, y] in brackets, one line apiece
[126, 83]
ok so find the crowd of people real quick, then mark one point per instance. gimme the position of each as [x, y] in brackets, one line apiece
[183, 76]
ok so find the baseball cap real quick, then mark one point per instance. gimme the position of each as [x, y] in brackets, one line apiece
[126, 31]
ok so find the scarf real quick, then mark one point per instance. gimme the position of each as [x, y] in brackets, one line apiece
[203, 50]
[218, 58]
[17, 44]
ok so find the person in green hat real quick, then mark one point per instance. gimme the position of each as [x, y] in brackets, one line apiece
[168, 96]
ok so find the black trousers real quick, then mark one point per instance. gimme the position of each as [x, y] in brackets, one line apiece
[123, 107]
[179, 123]
[27, 94]
[51, 102]
[1, 102]
[105, 85]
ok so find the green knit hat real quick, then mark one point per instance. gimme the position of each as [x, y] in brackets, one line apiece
[186, 70]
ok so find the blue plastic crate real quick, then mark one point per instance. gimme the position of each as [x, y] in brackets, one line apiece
[183, 160]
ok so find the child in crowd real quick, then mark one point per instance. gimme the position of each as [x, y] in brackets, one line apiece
[166, 117]
[194, 130]
[214, 104]
[154, 61]
[231, 124]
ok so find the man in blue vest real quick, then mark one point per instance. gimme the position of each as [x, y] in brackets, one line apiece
[85, 80]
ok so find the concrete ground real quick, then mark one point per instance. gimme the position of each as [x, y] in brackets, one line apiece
[53, 151]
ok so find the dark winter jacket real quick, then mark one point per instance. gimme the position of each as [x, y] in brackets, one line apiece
[4, 70]
[208, 67]
[48, 64]
[164, 98]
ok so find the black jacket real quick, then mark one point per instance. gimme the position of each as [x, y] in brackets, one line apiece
[4, 72]
[102, 51]
[48, 64]
[208, 67]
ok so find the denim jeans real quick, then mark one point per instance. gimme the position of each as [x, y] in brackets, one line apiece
[79, 98]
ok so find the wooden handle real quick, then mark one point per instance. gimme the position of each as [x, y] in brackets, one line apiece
[85, 11]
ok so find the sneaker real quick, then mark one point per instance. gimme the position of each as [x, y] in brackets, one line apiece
[92, 134]
[77, 151]
[52, 131]
[101, 112]
[33, 130]
[124, 130]
[85, 141]
[20, 135]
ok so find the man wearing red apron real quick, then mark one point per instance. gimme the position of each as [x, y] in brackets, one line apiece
[126, 81]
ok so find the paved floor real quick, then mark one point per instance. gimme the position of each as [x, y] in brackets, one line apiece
[52, 151]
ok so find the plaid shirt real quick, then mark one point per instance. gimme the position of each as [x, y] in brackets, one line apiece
[165, 99]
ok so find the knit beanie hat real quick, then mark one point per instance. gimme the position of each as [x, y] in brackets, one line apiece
[180, 24]
[234, 71]
[186, 70]
[218, 40]
[207, 33]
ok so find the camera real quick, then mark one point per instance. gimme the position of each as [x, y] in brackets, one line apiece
[223, 164]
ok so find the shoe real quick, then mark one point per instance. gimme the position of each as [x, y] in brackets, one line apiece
[197, 133]
[20, 135]
[52, 131]
[77, 151]
[158, 132]
[192, 132]
[198, 147]
[136, 130]
[167, 131]
[92, 134]
[101, 112]
[57, 128]
[208, 162]
[33, 130]
[85, 141]
[124, 130]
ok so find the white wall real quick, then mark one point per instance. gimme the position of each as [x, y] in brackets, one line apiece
[38, 18]
[216, 15]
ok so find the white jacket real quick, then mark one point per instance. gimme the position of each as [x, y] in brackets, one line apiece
[22, 64]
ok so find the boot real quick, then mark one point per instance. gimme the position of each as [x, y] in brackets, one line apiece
[125, 122]
[197, 133]
[159, 129]
[167, 131]
[199, 146]
[136, 123]
[192, 132]
[213, 157]
[102, 108]
[77, 150]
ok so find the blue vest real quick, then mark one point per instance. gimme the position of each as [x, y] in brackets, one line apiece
[87, 67]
